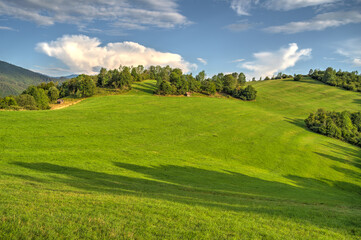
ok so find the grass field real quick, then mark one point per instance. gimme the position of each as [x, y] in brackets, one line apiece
[138, 166]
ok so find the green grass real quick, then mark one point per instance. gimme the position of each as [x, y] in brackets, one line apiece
[139, 166]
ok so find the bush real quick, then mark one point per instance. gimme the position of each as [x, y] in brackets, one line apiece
[27, 101]
[345, 126]
[298, 77]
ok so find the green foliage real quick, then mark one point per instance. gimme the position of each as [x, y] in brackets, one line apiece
[209, 87]
[297, 77]
[242, 79]
[40, 96]
[27, 101]
[8, 102]
[173, 81]
[249, 93]
[53, 93]
[347, 80]
[341, 125]
[229, 83]
[81, 86]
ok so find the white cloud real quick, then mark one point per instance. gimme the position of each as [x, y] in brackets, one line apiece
[351, 49]
[242, 7]
[202, 61]
[239, 26]
[294, 4]
[83, 54]
[318, 23]
[133, 14]
[238, 60]
[269, 63]
[6, 28]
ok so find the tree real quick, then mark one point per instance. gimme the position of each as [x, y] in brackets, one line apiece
[41, 98]
[103, 78]
[229, 83]
[201, 76]
[297, 77]
[27, 101]
[249, 93]
[241, 79]
[8, 102]
[209, 87]
[53, 93]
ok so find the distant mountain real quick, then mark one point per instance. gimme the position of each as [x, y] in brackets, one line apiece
[14, 79]
[67, 77]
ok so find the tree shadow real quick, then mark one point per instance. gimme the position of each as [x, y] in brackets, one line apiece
[299, 122]
[338, 159]
[225, 190]
[145, 87]
[357, 101]
[354, 153]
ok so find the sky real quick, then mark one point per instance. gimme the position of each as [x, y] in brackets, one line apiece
[257, 37]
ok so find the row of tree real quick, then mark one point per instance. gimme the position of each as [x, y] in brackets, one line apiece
[39, 97]
[169, 82]
[347, 80]
[33, 98]
[174, 82]
[341, 125]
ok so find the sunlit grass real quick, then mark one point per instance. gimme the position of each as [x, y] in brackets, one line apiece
[143, 166]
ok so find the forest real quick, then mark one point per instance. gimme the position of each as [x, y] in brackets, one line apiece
[169, 82]
[345, 125]
[347, 80]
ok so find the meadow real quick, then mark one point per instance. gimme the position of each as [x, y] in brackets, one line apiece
[140, 166]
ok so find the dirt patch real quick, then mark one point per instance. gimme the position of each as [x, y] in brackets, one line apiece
[64, 105]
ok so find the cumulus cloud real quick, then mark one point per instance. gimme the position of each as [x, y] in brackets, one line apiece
[242, 7]
[351, 49]
[133, 14]
[318, 23]
[202, 61]
[269, 63]
[83, 54]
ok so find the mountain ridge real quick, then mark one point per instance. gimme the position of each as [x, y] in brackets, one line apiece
[14, 79]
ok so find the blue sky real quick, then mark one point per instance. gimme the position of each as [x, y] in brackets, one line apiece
[259, 37]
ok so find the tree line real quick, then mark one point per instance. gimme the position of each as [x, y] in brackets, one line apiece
[341, 125]
[174, 82]
[169, 82]
[39, 97]
[347, 80]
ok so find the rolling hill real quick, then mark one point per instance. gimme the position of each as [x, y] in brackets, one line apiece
[14, 79]
[139, 166]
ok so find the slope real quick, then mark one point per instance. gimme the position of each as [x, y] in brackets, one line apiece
[139, 166]
[14, 79]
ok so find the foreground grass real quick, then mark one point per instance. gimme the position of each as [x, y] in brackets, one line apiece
[139, 166]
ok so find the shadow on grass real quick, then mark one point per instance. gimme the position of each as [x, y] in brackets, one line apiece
[354, 153]
[225, 190]
[298, 122]
[357, 101]
[145, 87]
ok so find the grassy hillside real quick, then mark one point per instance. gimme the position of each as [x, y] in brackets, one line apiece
[14, 79]
[139, 166]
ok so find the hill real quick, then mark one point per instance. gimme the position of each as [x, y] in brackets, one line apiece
[139, 166]
[14, 79]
